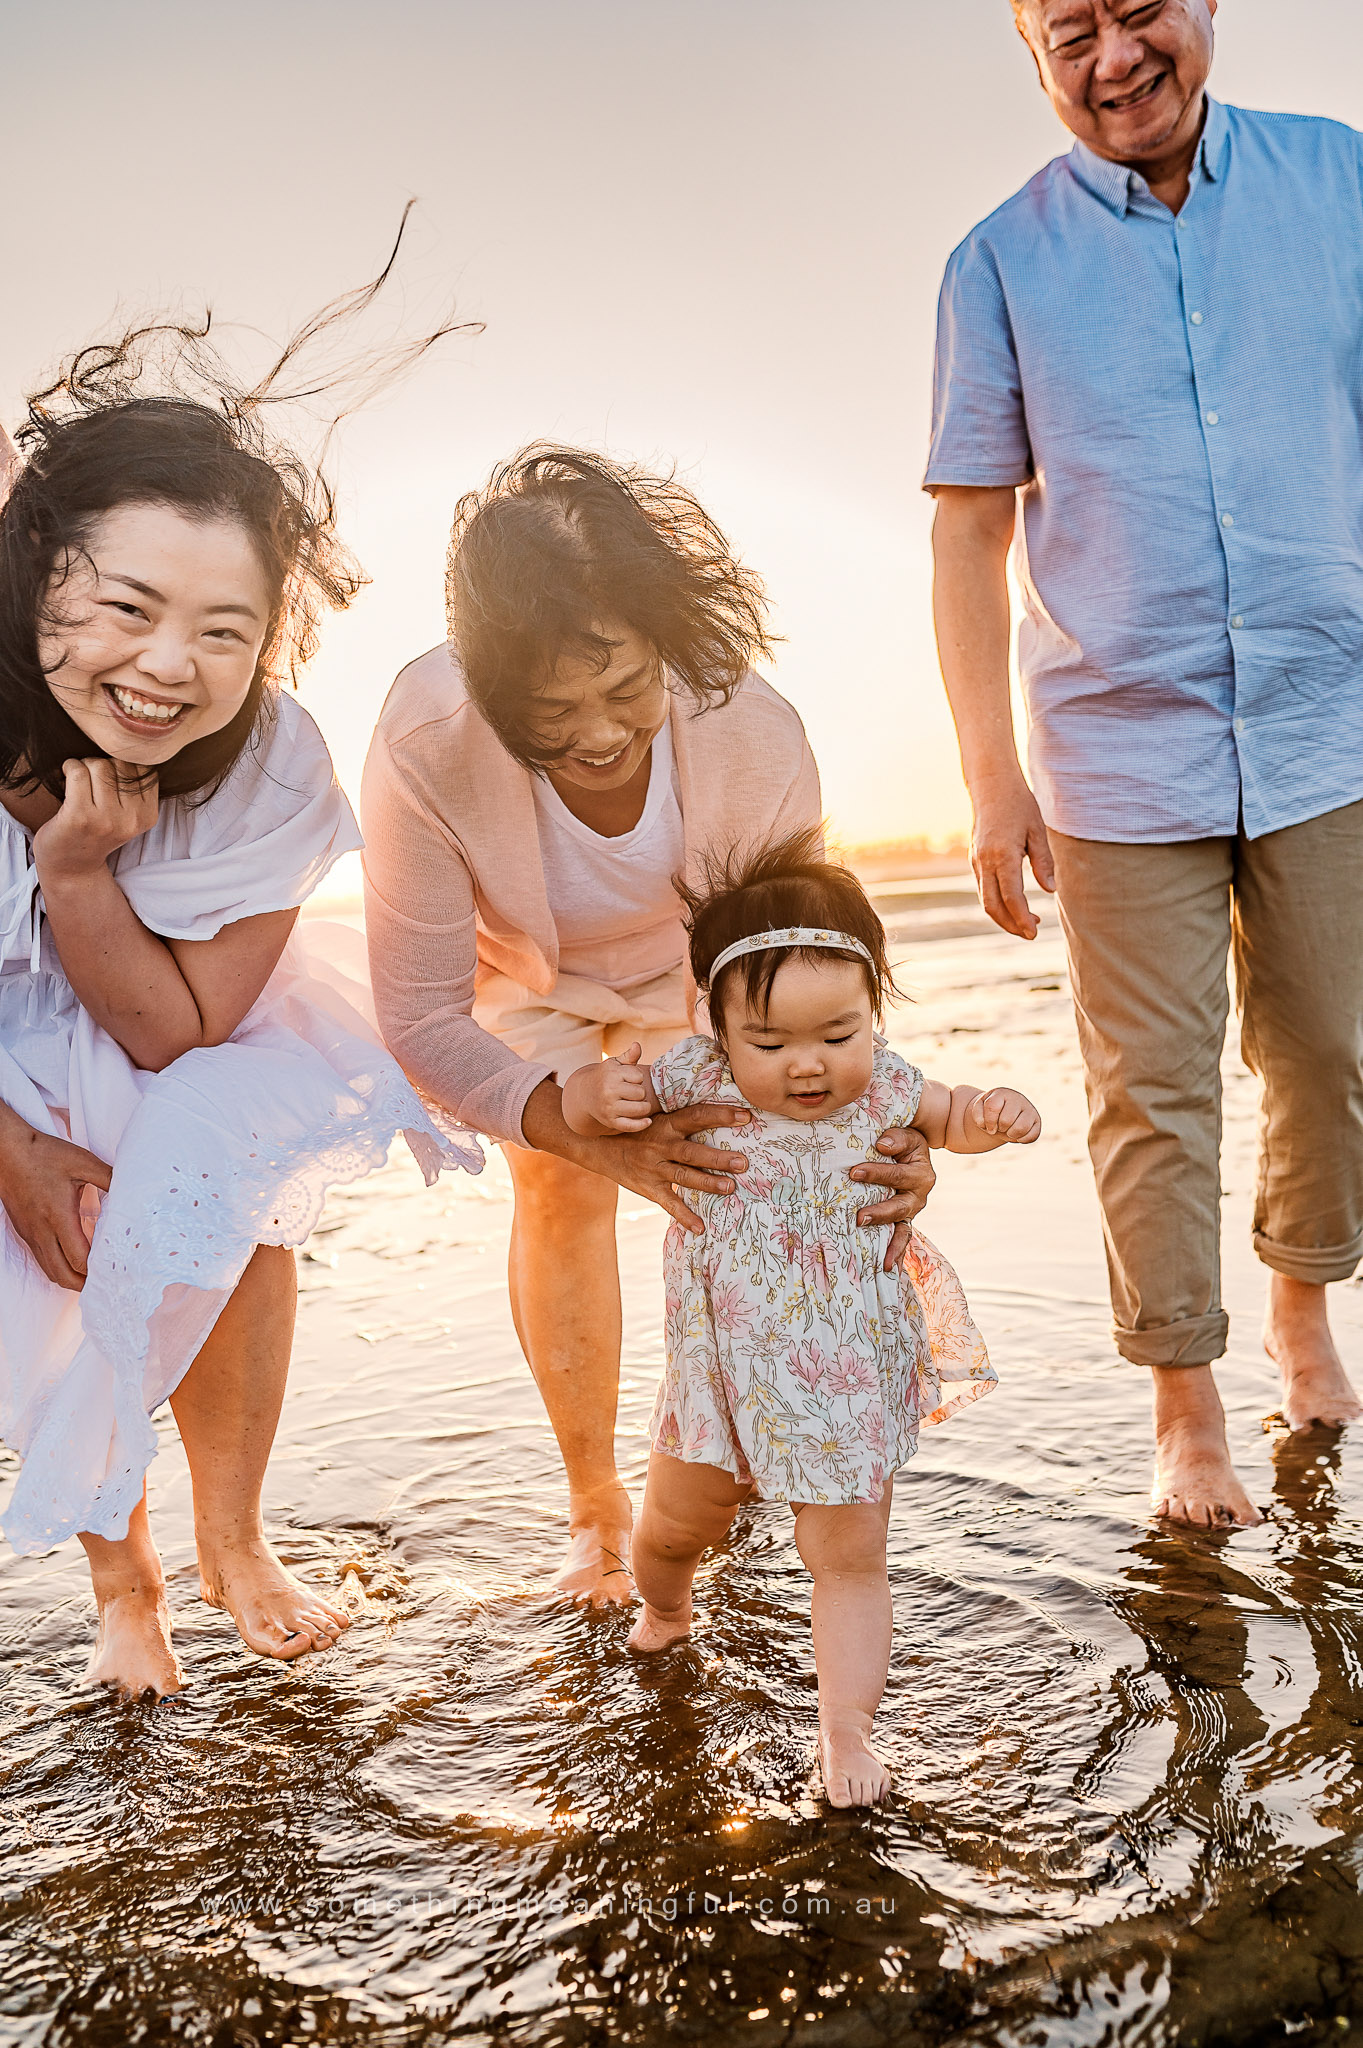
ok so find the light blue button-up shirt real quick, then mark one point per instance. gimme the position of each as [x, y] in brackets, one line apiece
[1180, 400]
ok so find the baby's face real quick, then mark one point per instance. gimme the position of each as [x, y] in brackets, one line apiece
[811, 1054]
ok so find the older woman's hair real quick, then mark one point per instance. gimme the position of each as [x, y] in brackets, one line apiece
[561, 545]
[773, 887]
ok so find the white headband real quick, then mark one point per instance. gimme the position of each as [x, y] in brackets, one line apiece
[795, 935]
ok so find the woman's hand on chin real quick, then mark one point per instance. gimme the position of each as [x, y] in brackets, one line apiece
[106, 805]
[42, 1180]
[907, 1168]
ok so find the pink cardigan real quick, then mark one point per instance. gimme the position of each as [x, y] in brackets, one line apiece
[454, 884]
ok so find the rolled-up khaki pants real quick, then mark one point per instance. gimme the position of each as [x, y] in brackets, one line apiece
[1148, 929]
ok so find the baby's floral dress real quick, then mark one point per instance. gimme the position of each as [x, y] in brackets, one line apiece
[793, 1360]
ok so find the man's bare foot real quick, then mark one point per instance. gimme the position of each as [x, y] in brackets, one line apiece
[133, 1651]
[275, 1613]
[596, 1570]
[1195, 1481]
[853, 1774]
[1316, 1388]
[653, 1631]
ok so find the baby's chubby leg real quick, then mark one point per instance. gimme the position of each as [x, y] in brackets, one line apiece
[687, 1508]
[844, 1548]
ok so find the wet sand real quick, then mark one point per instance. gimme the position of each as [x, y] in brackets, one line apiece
[1127, 1804]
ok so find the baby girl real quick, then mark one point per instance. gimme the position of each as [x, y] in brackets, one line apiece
[802, 1356]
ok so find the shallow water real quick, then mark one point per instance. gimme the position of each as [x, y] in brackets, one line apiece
[1127, 1803]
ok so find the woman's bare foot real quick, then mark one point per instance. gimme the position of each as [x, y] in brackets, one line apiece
[853, 1774]
[596, 1570]
[1195, 1481]
[133, 1651]
[275, 1613]
[653, 1631]
[1316, 1388]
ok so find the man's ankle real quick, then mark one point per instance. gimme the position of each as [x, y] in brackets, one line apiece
[1186, 1397]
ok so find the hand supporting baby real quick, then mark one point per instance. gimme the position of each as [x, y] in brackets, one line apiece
[613, 1095]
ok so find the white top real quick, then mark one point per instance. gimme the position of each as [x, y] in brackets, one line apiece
[612, 900]
[263, 841]
[228, 1147]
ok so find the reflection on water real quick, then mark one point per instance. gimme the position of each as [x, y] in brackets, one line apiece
[1127, 1804]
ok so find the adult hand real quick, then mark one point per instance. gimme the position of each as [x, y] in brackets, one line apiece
[107, 803]
[1008, 828]
[42, 1180]
[907, 1167]
[665, 1157]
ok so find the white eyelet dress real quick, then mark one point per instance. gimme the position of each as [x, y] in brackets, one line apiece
[229, 1147]
[794, 1361]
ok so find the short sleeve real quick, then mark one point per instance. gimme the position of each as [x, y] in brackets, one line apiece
[896, 1089]
[263, 841]
[979, 423]
[693, 1071]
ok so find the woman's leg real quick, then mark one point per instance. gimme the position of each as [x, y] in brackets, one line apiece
[565, 1301]
[687, 1509]
[133, 1650]
[844, 1548]
[227, 1408]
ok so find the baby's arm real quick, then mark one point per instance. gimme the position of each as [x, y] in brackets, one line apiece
[155, 997]
[971, 1120]
[614, 1095]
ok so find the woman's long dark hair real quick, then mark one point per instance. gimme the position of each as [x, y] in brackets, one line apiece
[154, 417]
[560, 542]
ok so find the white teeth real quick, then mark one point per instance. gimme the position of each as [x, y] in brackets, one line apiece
[143, 708]
[600, 760]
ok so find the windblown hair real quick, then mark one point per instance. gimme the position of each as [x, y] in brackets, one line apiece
[155, 418]
[559, 546]
[784, 883]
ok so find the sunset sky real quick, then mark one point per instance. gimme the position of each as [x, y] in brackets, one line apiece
[707, 232]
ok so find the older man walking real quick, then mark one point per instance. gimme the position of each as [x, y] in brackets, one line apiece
[1153, 354]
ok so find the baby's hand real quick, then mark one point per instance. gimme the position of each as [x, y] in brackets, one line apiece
[1006, 1114]
[613, 1096]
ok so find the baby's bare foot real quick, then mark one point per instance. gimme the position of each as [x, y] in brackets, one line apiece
[596, 1570]
[133, 1649]
[1316, 1388]
[853, 1774]
[654, 1631]
[1195, 1481]
[275, 1613]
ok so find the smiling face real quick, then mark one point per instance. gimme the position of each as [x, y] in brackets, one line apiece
[605, 719]
[1125, 76]
[812, 1052]
[153, 637]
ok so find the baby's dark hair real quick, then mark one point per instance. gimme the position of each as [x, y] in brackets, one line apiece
[786, 882]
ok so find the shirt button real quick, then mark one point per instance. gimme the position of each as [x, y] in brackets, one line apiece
[1226, 519]
[1196, 319]
[1213, 419]
[1237, 622]
[1239, 725]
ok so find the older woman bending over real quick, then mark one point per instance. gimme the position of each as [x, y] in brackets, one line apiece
[592, 729]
